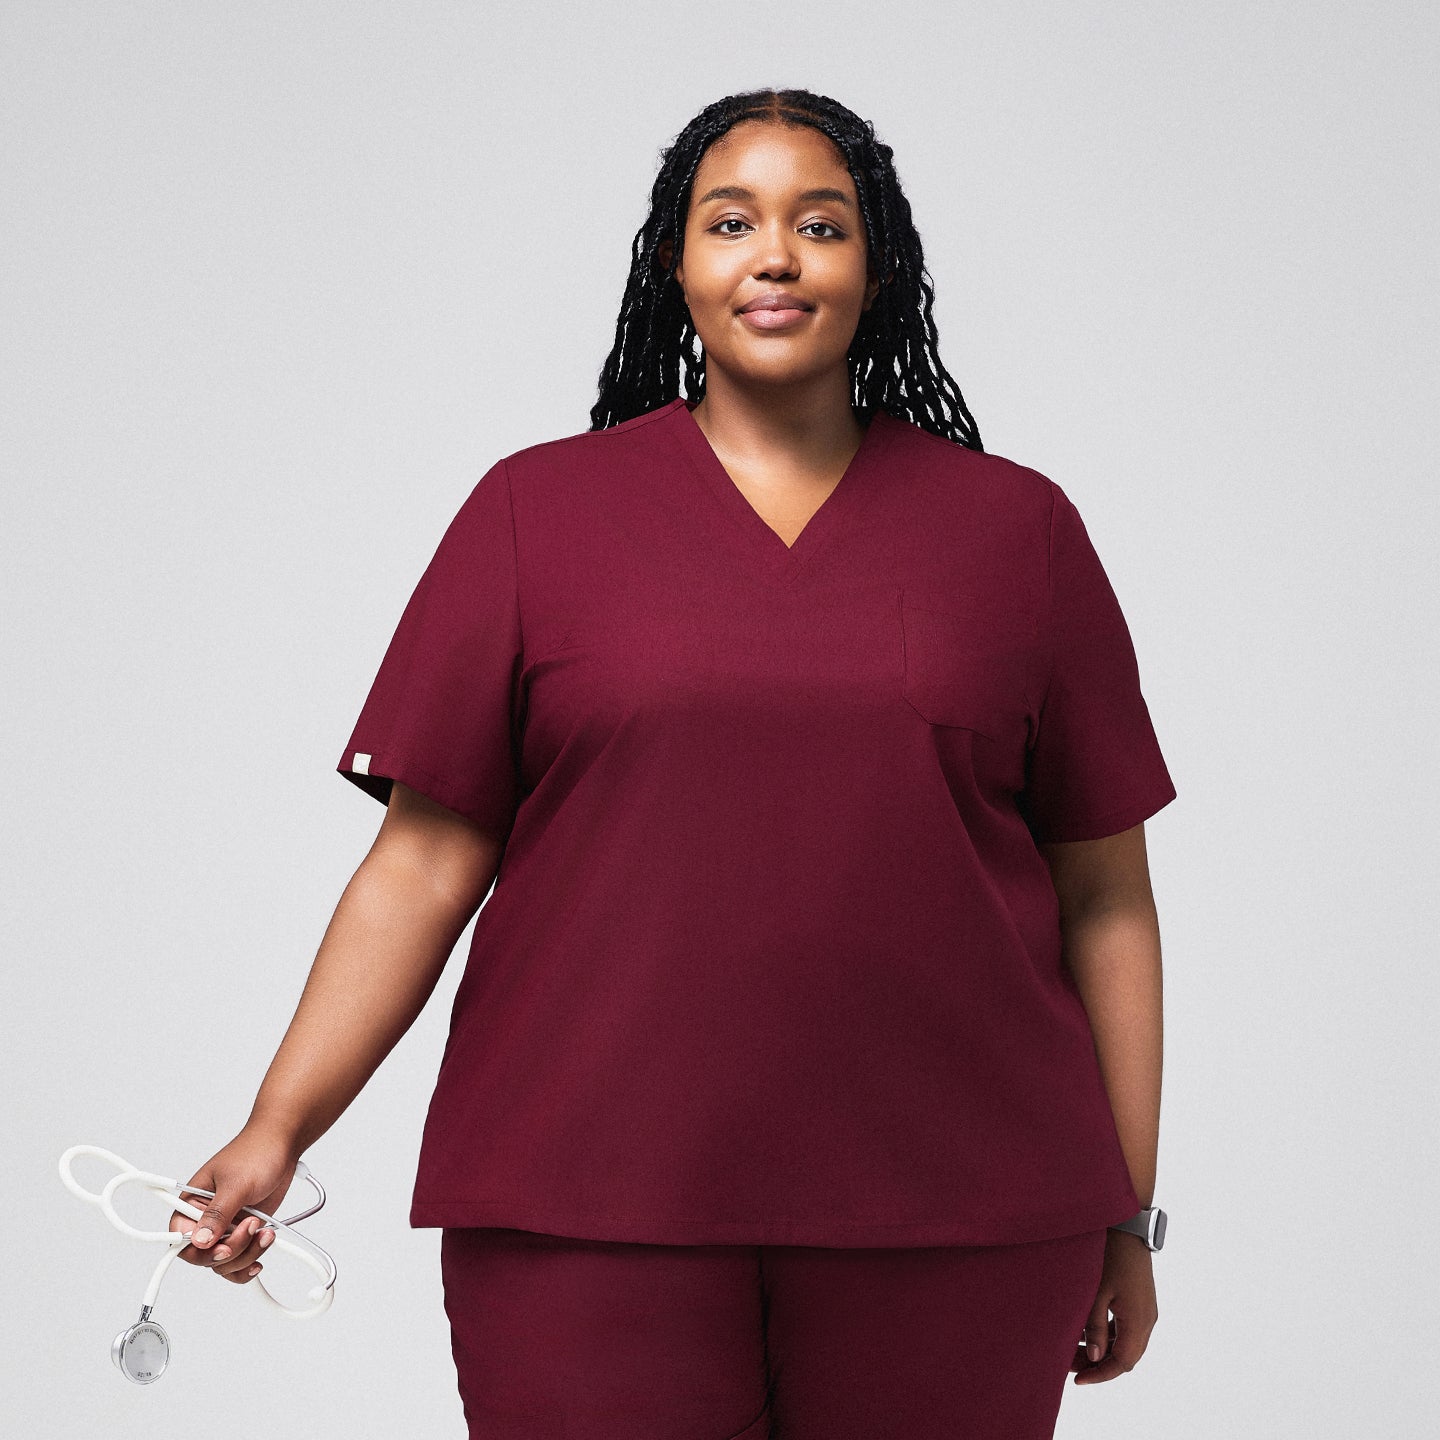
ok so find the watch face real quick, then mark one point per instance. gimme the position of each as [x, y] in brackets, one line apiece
[1159, 1237]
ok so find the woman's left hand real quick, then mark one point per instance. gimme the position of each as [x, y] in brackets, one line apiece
[1127, 1286]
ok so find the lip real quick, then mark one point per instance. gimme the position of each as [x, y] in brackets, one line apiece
[775, 300]
[776, 310]
[774, 319]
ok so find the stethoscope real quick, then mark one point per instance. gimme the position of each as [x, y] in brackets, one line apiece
[142, 1350]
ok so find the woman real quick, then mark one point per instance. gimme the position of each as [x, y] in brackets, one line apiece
[809, 1045]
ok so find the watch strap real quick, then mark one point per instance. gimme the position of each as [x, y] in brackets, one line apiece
[1148, 1224]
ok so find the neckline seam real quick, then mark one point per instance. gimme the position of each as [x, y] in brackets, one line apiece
[782, 561]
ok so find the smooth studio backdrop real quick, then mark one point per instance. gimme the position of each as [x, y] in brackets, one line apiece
[280, 281]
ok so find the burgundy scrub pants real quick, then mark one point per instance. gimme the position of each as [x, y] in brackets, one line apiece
[564, 1339]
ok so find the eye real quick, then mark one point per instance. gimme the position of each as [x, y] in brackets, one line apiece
[827, 225]
[728, 220]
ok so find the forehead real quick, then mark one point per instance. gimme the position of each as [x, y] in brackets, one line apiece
[772, 160]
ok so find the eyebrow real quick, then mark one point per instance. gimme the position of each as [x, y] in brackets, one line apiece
[739, 192]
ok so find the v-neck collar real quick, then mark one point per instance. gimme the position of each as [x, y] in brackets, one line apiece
[783, 561]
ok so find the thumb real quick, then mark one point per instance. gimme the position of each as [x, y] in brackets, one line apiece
[202, 1179]
[215, 1218]
[1097, 1330]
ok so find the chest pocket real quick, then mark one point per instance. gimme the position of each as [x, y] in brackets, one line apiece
[959, 671]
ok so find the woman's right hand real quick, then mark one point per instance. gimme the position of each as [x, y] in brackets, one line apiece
[255, 1168]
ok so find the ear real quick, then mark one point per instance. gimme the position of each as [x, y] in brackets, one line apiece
[664, 252]
[872, 289]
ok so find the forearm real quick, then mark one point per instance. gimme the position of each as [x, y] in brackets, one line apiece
[381, 956]
[1114, 954]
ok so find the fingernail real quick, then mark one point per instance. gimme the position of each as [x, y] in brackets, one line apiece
[203, 1236]
[1094, 1351]
[254, 1269]
[222, 1252]
[266, 1238]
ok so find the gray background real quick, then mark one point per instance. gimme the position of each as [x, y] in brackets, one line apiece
[281, 280]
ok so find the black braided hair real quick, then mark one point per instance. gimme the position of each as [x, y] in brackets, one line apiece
[893, 359]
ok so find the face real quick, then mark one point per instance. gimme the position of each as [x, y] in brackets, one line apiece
[773, 209]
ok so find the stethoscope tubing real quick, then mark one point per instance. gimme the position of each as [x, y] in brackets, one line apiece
[307, 1251]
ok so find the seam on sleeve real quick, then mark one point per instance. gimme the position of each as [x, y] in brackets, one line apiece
[514, 550]
[1145, 805]
[1049, 597]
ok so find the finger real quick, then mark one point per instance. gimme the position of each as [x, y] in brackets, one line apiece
[245, 1265]
[222, 1252]
[1133, 1338]
[1108, 1369]
[239, 1249]
[1120, 1361]
[264, 1238]
[1098, 1330]
[250, 1246]
[1126, 1348]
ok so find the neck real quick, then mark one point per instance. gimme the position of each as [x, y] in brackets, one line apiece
[812, 422]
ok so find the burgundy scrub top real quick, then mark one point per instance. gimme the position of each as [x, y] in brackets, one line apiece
[771, 957]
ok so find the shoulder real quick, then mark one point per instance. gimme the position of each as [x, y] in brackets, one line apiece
[587, 450]
[1003, 486]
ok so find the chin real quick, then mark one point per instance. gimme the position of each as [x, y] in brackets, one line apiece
[776, 368]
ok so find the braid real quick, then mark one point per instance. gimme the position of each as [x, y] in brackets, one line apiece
[894, 358]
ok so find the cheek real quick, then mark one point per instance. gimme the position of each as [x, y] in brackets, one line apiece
[710, 274]
[842, 306]
[845, 286]
[708, 295]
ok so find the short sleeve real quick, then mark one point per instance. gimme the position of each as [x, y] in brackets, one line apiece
[438, 717]
[1094, 766]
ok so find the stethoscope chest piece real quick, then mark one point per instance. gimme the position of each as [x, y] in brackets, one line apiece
[142, 1351]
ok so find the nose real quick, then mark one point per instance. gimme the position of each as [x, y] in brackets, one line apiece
[776, 254]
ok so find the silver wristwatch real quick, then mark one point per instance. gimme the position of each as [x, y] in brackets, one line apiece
[1149, 1225]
